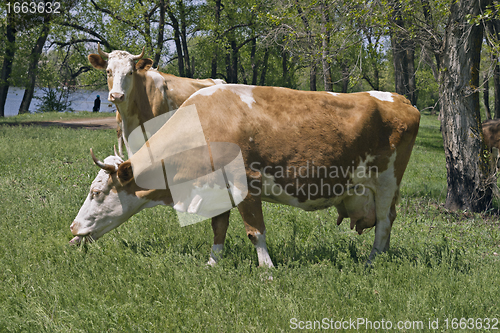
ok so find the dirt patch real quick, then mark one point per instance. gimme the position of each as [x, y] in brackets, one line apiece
[88, 123]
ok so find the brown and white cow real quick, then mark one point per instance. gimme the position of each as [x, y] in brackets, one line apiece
[491, 134]
[139, 92]
[310, 150]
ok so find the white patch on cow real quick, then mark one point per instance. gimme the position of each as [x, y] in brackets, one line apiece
[215, 254]
[262, 253]
[333, 93]
[363, 172]
[157, 78]
[382, 95]
[244, 92]
[219, 81]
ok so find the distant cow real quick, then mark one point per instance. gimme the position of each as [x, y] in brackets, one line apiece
[139, 92]
[310, 150]
[491, 133]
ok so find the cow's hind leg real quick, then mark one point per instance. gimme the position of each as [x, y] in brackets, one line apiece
[219, 227]
[385, 201]
[251, 212]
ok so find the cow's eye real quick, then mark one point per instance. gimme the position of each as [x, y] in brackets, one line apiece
[130, 73]
[109, 72]
[95, 193]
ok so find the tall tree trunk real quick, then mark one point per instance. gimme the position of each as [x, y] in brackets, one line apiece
[182, 16]
[284, 67]
[161, 35]
[36, 52]
[410, 69]
[496, 82]
[399, 52]
[216, 48]
[312, 78]
[345, 78]
[486, 95]
[177, 40]
[468, 174]
[10, 49]
[264, 68]
[325, 43]
[253, 61]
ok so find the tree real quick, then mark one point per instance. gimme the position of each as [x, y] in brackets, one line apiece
[10, 49]
[33, 64]
[457, 48]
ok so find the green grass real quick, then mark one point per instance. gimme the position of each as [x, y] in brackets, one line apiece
[48, 116]
[149, 275]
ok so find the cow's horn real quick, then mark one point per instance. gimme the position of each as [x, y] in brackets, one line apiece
[107, 167]
[137, 57]
[101, 52]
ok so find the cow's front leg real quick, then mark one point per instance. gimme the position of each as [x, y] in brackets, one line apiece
[251, 212]
[219, 227]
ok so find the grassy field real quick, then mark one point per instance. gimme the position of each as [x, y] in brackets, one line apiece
[149, 275]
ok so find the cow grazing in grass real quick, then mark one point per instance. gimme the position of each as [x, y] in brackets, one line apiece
[139, 92]
[310, 150]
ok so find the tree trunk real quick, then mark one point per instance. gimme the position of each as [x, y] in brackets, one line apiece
[345, 78]
[284, 67]
[325, 54]
[410, 68]
[253, 61]
[177, 40]
[469, 184]
[400, 53]
[10, 49]
[161, 30]
[188, 71]
[496, 82]
[216, 49]
[36, 52]
[264, 68]
[312, 78]
[486, 96]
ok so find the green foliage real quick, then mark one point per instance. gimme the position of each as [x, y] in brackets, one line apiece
[54, 100]
[150, 275]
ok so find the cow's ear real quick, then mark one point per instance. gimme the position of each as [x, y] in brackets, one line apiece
[97, 61]
[125, 173]
[144, 64]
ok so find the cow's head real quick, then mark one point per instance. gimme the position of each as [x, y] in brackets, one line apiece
[113, 198]
[120, 67]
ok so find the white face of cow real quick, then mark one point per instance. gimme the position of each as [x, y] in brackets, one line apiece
[120, 72]
[111, 201]
[120, 68]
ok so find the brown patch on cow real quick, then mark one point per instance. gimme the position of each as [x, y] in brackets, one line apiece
[97, 61]
[491, 132]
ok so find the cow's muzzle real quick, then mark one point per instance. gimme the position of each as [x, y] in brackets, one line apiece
[116, 97]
